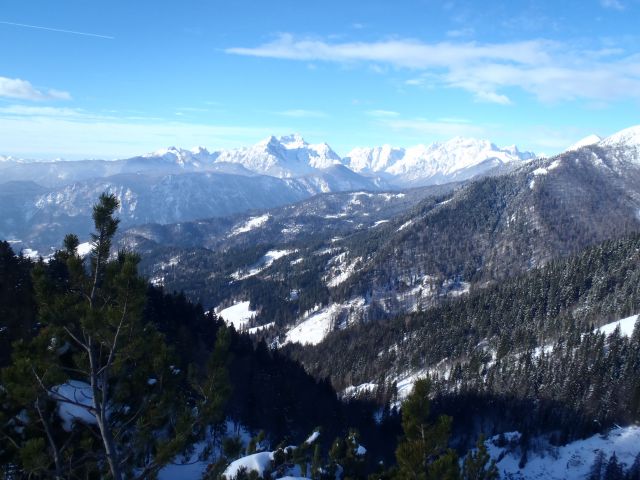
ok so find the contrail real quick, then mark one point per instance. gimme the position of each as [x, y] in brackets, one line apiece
[58, 30]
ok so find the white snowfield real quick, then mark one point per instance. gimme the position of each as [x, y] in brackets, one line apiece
[315, 326]
[626, 325]
[238, 315]
[251, 224]
[265, 262]
[570, 462]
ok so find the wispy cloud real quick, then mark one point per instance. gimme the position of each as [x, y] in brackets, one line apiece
[58, 30]
[23, 90]
[382, 113]
[301, 113]
[551, 71]
[613, 4]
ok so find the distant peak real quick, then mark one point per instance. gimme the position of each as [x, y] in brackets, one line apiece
[199, 149]
[294, 138]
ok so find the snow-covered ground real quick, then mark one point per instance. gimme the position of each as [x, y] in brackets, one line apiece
[265, 262]
[569, 462]
[258, 462]
[340, 270]
[252, 223]
[312, 329]
[254, 330]
[316, 325]
[626, 326]
[237, 315]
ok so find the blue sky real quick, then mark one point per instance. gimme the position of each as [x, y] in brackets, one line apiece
[107, 79]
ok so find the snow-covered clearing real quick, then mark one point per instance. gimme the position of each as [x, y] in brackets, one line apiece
[252, 223]
[315, 326]
[340, 271]
[380, 222]
[237, 315]
[626, 326]
[357, 390]
[572, 461]
[265, 262]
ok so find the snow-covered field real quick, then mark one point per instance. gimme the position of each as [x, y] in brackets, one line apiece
[313, 328]
[252, 223]
[237, 315]
[626, 326]
[316, 325]
[265, 262]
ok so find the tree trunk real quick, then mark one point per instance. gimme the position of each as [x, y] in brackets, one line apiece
[100, 403]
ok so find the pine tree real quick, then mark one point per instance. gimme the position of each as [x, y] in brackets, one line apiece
[133, 402]
[423, 442]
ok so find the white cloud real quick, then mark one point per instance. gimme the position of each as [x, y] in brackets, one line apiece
[23, 90]
[382, 113]
[551, 71]
[492, 97]
[301, 113]
[613, 4]
[400, 53]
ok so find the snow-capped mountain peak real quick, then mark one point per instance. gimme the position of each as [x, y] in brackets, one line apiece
[456, 159]
[286, 156]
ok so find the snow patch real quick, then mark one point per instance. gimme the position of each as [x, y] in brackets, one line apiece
[404, 225]
[265, 262]
[357, 390]
[314, 327]
[258, 462]
[254, 330]
[626, 325]
[237, 315]
[75, 403]
[251, 224]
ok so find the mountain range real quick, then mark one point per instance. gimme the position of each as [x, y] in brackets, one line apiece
[42, 200]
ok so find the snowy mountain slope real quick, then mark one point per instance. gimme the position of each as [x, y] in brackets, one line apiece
[585, 142]
[569, 462]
